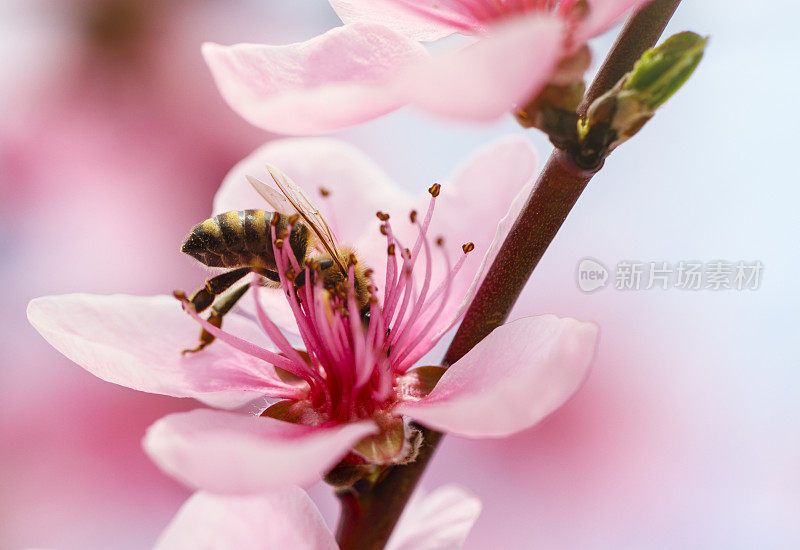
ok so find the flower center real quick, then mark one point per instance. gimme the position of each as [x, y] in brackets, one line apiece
[357, 341]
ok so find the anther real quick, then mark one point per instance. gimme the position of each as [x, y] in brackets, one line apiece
[324, 191]
[435, 189]
[290, 275]
[439, 241]
[390, 250]
[413, 216]
[383, 229]
[383, 216]
[352, 259]
[407, 253]
[278, 243]
[293, 219]
[273, 221]
[468, 247]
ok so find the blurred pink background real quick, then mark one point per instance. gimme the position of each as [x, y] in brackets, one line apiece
[113, 140]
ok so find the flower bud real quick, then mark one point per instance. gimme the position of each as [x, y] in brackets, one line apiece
[659, 73]
[553, 110]
[662, 70]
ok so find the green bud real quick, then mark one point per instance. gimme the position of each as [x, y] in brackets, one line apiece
[622, 111]
[661, 71]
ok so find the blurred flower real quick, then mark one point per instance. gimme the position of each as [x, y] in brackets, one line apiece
[289, 519]
[352, 386]
[375, 64]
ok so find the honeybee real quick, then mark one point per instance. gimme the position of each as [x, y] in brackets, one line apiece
[242, 242]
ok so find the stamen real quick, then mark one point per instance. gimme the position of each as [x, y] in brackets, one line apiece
[241, 344]
[397, 337]
[408, 348]
[444, 286]
[277, 337]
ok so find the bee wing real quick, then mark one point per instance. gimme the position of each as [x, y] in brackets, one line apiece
[310, 214]
[276, 200]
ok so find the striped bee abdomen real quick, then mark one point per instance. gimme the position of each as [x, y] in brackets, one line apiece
[243, 238]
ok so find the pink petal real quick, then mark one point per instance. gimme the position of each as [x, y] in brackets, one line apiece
[492, 185]
[604, 14]
[358, 187]
[392, 14]
[331, 81]
[511, 380]
[287, 519]
[438, 521]
[487, 79]
[137, 341]
[231, 453]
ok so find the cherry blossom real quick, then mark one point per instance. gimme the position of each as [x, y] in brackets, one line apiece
[331, 392]
[440, 520]
[375, 63]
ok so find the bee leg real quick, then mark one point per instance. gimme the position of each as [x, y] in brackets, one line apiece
[204, 297]
[218, 310]
[322, 265]
[271, 275]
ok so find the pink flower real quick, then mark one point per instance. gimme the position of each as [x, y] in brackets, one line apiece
[347, 392]
[289, 519]
[374, 63]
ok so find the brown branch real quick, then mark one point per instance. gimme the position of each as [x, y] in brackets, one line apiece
[370, 512]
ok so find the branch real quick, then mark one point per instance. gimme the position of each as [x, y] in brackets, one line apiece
[369, 513]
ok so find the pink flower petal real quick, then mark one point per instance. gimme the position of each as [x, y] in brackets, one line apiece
[137, 341]
[437, 521]
[331, 81]
[231, 453]
[511, 380]
[392, 14]
[604, 14]
[287, 519]
[499, 177]
[358, 187]
[487, 79]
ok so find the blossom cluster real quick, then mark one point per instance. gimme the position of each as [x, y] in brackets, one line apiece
[306, 380]
[376, 62]
[349, 390]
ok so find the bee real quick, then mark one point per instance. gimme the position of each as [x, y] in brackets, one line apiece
[241, 241]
